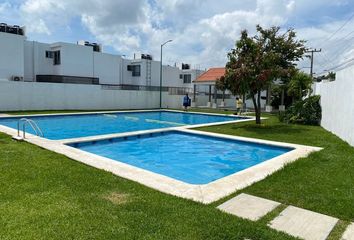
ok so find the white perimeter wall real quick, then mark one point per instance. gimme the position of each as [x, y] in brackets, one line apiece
[50, 96]
[337, 101]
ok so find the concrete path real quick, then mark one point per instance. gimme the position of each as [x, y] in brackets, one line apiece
[349, 233]
[294, 221]
[249, 207]
[304, 224]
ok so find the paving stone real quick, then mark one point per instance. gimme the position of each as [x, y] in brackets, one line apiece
[304, 224]
[349, 233]
[249, 207]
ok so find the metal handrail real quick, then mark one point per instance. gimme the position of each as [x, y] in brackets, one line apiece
[32, 123]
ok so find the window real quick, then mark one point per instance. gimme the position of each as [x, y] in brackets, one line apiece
[187, 78]
[56, 57]
[136, 71]
[49, 54]
[181, 76]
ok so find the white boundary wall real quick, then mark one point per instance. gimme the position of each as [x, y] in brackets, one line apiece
[337, 101]
[19, 96]
[50, 96]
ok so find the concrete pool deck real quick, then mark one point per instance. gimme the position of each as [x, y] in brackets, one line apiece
[205, 193]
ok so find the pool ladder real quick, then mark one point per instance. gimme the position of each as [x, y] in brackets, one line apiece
[33, 125]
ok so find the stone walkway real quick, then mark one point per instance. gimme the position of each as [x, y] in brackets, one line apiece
[349, 233]
[294, 221]
[304, 224]
[249, 207]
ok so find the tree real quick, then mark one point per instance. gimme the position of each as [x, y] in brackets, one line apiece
[220, 84]
[300, 85]
[257, 61]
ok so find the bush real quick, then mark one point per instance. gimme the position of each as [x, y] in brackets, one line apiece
[307, 111]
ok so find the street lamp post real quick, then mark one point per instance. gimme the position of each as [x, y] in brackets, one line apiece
[161, 72]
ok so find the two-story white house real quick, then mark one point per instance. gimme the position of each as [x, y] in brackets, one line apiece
[83, 62]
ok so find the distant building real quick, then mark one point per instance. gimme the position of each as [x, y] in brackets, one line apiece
[84, 63]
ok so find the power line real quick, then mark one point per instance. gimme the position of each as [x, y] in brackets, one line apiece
[341, 65]
[324, 55]
[340, 28]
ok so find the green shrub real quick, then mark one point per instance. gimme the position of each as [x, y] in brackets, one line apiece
[307, 111]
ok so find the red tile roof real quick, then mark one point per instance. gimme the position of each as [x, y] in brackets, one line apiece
[211, 75]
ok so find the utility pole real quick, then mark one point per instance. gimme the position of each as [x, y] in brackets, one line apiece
[161, 71]
[312, 51]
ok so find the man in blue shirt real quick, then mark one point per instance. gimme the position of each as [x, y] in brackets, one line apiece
[186, 102]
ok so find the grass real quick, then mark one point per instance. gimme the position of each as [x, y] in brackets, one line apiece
[44, 195]
[322, 182]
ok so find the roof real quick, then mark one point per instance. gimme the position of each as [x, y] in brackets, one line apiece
[211, 75]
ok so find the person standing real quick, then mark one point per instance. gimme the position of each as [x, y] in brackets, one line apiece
[239, 105]
[186, 102]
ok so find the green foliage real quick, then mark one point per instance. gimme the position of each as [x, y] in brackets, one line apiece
[277, 95]
[299, 85]
[220, 84]
[257, 61]
[306, 111]
[331, 76]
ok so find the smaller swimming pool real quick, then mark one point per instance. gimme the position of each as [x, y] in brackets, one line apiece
[191, 158]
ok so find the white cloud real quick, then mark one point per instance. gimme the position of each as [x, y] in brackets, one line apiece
[203, 30]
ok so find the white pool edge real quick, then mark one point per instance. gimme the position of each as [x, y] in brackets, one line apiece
[119, 111]
[205, 193]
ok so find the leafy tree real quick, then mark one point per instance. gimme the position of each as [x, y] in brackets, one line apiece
[300, 85]
[220, 84]
[257, 61]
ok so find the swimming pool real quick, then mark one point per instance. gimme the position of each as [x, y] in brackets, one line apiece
[160, 150]
[187, 157]
[58, 127]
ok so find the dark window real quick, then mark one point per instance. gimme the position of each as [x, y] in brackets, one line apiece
[181, 76]
[136, 71]
[187, 78]
[56, 57]
[49, 54]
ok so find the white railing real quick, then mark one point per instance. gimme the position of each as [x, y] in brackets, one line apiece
[33, 125]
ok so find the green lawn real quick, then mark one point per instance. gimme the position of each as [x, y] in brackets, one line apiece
[44, 195]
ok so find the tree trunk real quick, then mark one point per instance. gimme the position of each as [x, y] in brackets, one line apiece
[257, 107]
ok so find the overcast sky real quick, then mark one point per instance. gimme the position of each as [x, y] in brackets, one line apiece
[203, 31]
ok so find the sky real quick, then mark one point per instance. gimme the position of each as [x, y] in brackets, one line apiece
[203, 31]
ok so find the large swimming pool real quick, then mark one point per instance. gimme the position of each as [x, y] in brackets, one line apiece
[84, 125]
[191, 158]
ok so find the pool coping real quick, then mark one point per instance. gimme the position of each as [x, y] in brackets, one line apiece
[119, 111]
[204, 193]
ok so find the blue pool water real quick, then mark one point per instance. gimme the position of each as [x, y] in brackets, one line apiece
[190, 158]
[74, 126]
